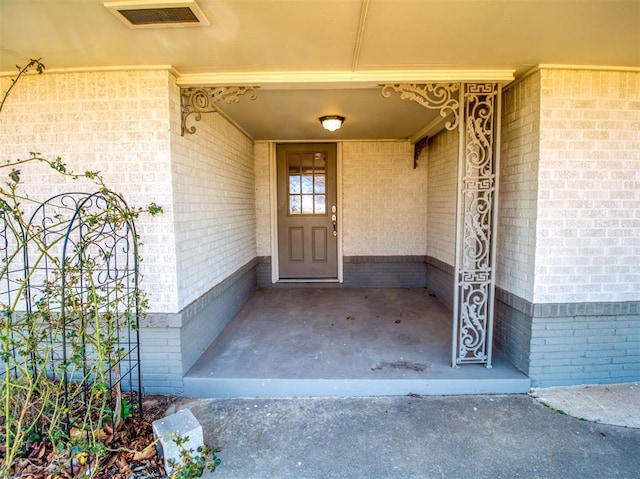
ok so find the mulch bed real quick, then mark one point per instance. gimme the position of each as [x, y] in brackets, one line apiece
[131, 452]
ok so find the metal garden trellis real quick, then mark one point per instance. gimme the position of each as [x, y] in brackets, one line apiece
[73, 272]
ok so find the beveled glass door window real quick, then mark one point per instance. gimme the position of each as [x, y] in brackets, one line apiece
[307, 183]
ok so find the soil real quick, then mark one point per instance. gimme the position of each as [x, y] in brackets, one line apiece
[131, 450]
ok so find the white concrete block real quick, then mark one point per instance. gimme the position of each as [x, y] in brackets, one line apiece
[184, 424]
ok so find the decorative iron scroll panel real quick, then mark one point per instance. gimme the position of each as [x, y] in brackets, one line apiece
[475, 245]
[473, 108]
[195, 101]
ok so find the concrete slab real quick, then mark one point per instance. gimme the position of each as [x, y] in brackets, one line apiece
[342, 342]
[484, 437]
[616, 404]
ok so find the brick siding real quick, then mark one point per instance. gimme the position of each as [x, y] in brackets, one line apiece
[588, 230]
[385, 271]
[442, 193]
[384, 199]
[517, 204]
[113, 122]
[570, 343]
[567, 308]
[214, 201]
[263, 199]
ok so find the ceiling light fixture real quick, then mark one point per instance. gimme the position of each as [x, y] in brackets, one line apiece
[331, 122]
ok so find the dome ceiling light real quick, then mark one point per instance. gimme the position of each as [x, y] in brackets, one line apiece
[331, 122]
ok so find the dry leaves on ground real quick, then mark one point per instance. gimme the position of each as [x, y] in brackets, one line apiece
[131, 450]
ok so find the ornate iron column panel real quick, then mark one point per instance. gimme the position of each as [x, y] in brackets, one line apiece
[475, 111]
[195, 101]
[476, 216]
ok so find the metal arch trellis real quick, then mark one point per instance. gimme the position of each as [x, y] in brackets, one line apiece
[74, 274]
[475, 112]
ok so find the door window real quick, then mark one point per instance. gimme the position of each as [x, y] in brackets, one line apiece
[307, 177]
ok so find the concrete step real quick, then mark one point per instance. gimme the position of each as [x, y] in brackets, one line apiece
[200, 387]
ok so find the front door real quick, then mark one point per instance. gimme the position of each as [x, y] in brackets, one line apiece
[307, 211]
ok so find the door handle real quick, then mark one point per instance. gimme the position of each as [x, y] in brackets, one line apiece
[333, 220]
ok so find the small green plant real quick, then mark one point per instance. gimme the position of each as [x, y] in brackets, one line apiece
[126, 409]
[193, 463]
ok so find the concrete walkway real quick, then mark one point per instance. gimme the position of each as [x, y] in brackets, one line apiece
[503, 436]
[615, 404]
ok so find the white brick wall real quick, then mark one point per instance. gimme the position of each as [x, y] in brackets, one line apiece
[442, 157]
[263, 198]
[588, 246]
[114, 122]
[214, 201]
[384, 199]
[517, 209]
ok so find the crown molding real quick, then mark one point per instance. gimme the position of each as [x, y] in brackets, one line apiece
[554, 66]
[338, 79]
[94, 69]
[610, 68]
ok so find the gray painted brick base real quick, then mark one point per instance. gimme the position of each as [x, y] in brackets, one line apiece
[263, 272]
[161, 360]
[385, 272]
[572, 343]
[512, 328]
[440, 280]
[171, 343]
[558, 344]
[366, 272]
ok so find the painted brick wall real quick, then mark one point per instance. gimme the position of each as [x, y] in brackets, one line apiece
[214, 201]
[569, 244]
[588, 246]
[384, 199]
[161, 360]
[517, 211]
[114, 122]
[441, 210]
[585, 343]
[263, 198]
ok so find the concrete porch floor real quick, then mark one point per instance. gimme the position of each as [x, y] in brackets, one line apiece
[308, 341]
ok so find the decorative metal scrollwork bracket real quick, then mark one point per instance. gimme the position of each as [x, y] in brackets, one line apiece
[417, 149]
[435, 96]
[197, 100]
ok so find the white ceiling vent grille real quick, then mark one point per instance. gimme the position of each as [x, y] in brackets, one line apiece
[158, 13]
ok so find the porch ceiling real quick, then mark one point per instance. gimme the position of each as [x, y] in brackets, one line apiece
[315, 57]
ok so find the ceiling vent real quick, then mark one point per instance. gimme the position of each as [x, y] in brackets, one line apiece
[158, 13]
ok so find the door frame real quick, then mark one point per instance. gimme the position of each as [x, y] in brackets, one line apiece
[273, 200]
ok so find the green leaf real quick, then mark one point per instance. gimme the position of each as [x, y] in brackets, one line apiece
[15, 175]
